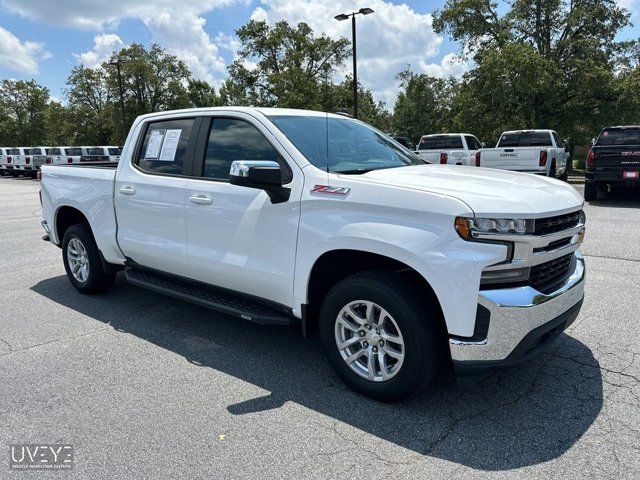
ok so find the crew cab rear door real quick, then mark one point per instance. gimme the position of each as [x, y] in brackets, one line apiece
[238, 239]
[150, 196]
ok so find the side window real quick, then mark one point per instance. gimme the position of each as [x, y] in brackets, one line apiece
[165, 146]
[230, 140]
[473, 143]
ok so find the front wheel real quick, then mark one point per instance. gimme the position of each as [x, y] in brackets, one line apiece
[82, 261]
[381, 335]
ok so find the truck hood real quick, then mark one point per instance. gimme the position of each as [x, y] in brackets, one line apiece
[487, 192]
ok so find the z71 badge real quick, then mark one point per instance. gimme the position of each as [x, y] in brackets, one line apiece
[330, 190]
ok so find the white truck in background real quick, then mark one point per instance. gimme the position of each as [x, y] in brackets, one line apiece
[449, 148]
[289, 217]
[530, 151]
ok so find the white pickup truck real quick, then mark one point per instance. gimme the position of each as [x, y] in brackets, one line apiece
[532, 151]
[295, 217]
[449, 148]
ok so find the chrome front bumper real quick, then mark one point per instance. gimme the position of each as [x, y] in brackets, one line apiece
[514, 314]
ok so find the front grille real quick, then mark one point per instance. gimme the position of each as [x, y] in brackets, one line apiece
[547, 277]
[546, 226]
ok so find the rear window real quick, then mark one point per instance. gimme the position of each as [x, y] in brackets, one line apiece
[95, 151]
[13, 151]
[619, 136]
[34, 151]
[525, 139]
[53, 151]
[440, 143]
[73, 152]
[115, 151]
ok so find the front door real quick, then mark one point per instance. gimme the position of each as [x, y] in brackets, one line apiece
[239, 239]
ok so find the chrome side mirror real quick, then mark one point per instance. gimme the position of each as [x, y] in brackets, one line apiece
[261, 174]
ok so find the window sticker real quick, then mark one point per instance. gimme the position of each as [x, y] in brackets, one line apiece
[170, 145]
[155, 142]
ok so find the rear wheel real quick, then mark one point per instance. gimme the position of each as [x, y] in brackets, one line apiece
[552, 170]
[381, 335]
[590, 191]
[82, 261]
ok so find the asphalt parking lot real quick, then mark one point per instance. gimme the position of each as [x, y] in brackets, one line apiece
[144, 386]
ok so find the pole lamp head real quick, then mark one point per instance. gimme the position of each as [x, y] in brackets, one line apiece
[366, 11]
[342, 16]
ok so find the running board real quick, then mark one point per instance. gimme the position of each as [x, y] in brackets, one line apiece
[221, 300]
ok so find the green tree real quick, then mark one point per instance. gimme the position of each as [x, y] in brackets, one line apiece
[152, 80]
[91, 107]
[24, 103]
[60, 128]
[544, 63]
[336, 97]
[201, 94]
[282, 66]
[423, 105]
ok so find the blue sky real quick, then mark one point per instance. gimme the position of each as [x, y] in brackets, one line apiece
[45, 39]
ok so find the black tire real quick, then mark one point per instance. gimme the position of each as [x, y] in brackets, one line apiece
[98, 280]
[552, 170]
[565, 176]
[417, 319]
[590, 191]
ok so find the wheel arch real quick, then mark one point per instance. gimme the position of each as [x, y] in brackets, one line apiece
[66, 216]
[335, 265]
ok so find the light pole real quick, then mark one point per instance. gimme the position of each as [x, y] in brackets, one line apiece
[345, 16]
[117, 64]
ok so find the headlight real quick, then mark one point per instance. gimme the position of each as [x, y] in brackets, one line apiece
[470, 228]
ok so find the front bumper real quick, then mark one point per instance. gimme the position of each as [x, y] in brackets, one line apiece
[522, 322]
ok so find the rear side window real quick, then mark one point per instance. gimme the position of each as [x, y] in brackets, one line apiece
[231, 140]
[525, 139]
[472, 143]
[165, 146]
[444, 142]
[619, 136]
[53, 151]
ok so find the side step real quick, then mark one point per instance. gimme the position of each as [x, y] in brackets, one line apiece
[215, 298]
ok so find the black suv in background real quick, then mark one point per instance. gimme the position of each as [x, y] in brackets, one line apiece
[614, 159]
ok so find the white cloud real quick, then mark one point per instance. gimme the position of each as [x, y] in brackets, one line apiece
[176, 25]
[389, 40]
[20, 56]
[103, 45]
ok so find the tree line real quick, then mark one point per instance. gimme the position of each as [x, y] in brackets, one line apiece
[538, 64]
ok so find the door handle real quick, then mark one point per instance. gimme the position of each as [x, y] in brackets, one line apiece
[200, 200]
[127, 190]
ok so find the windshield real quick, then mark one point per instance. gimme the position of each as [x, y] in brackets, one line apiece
[525, 139]
[349, 147]
[619, 136]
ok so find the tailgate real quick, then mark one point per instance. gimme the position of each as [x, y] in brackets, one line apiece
[431, 156]
[514, 158]
[618, 156]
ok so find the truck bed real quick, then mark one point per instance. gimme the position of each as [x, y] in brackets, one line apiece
[89, 188]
